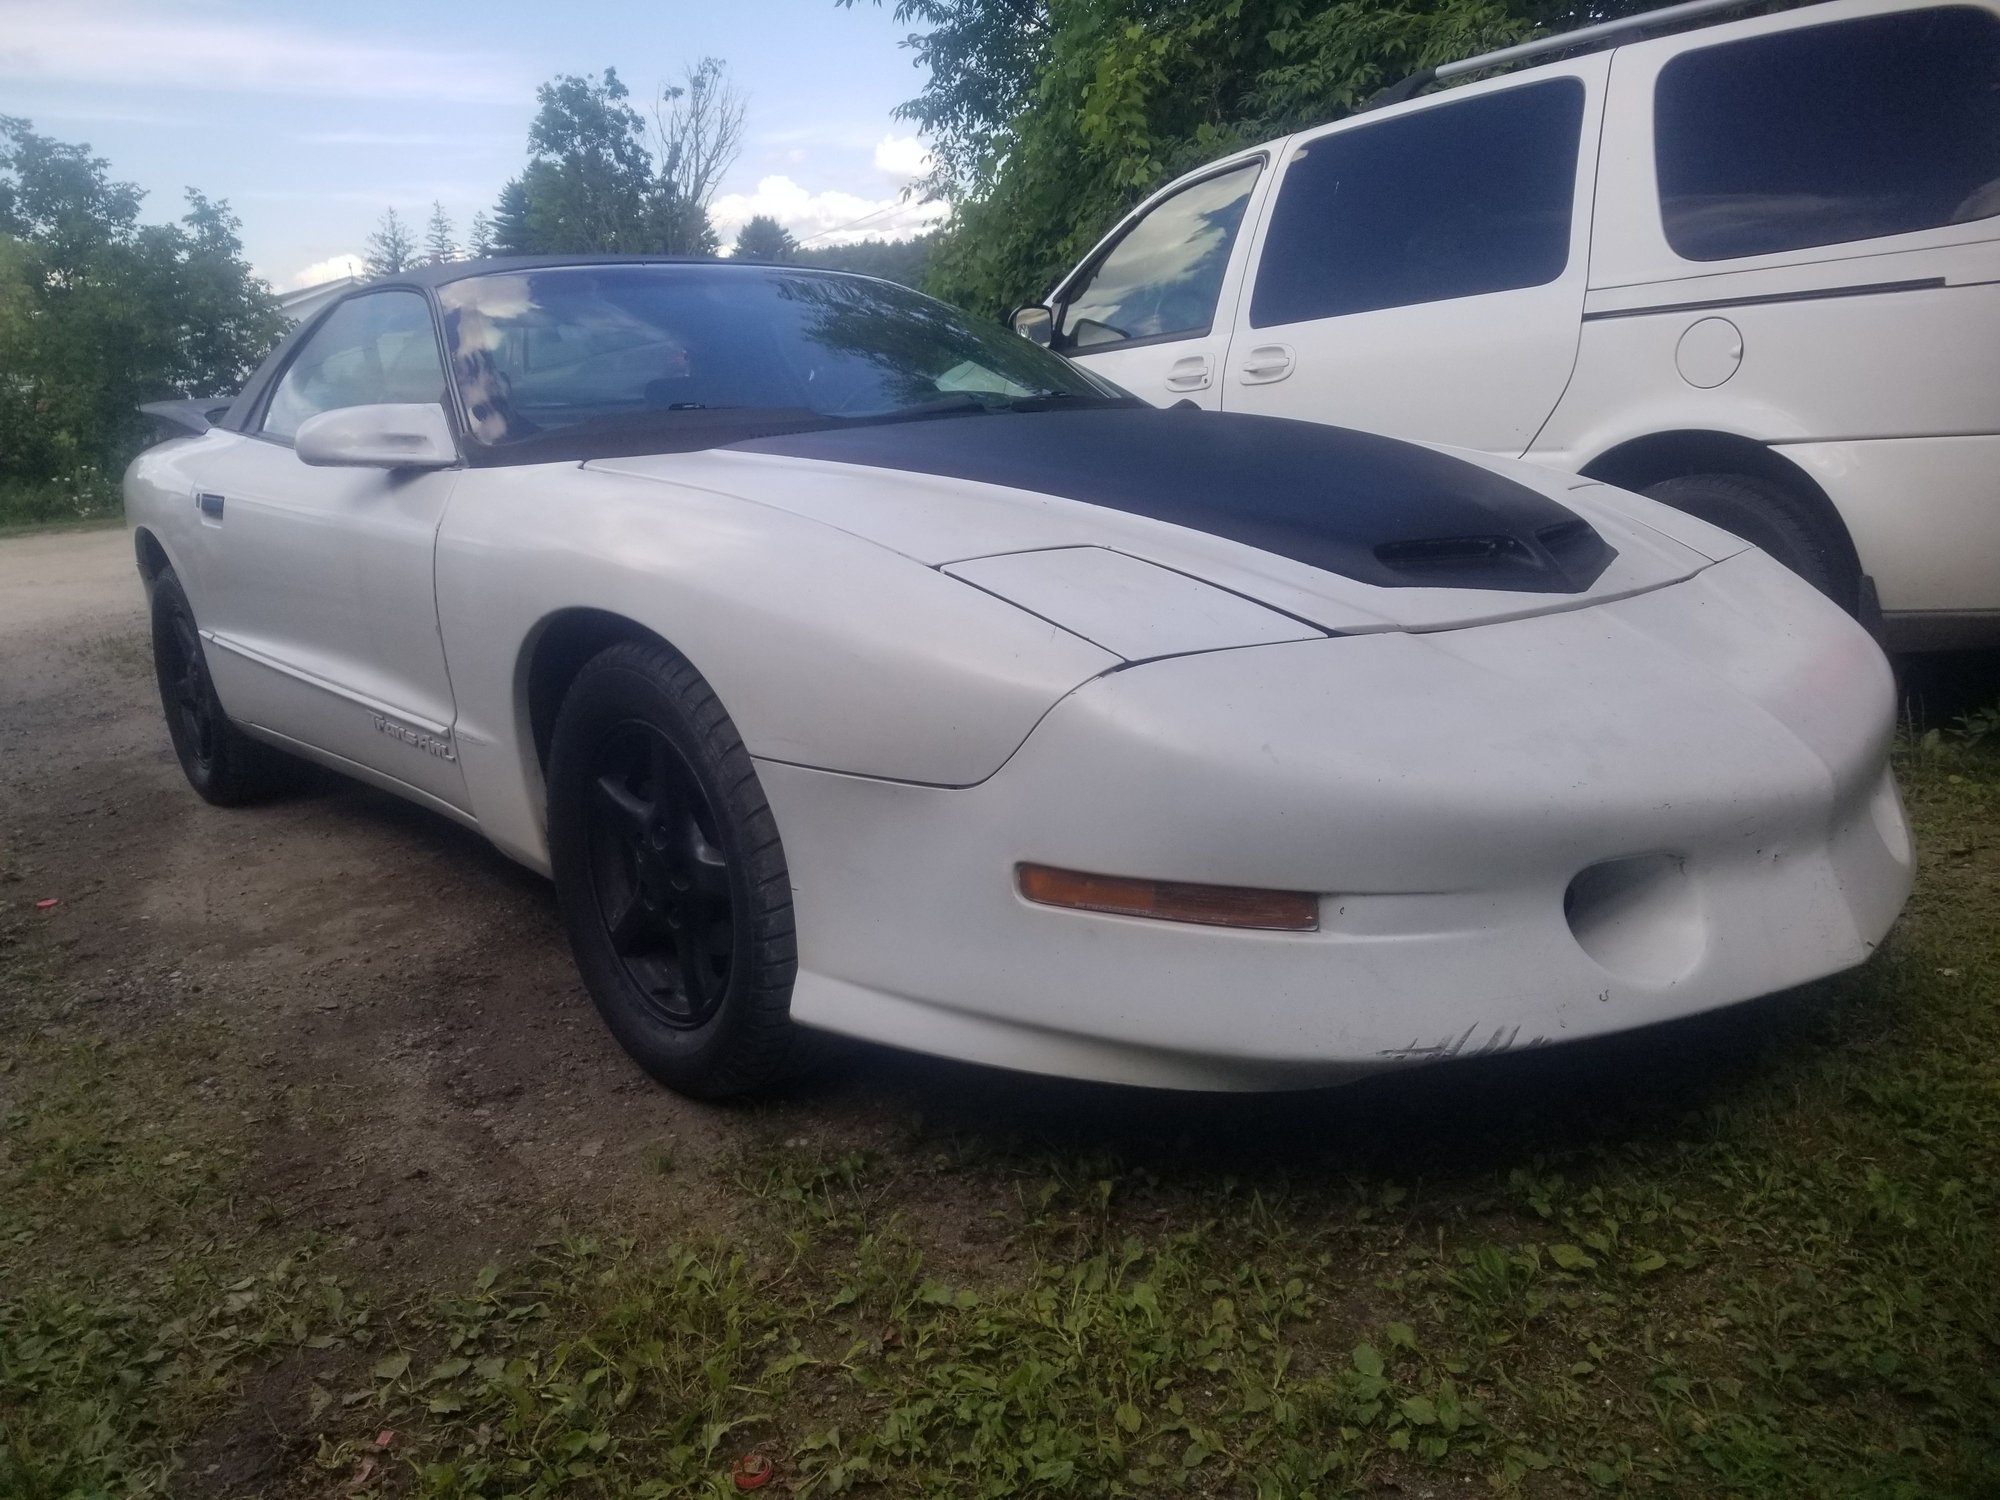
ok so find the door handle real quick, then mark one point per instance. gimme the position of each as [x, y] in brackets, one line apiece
[211, 504]
[1266, 363]
[1189, 374]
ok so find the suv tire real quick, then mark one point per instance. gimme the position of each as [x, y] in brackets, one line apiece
[1772, 518]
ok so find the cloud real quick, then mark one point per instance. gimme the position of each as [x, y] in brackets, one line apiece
[407, 195]
[829, 218]
[902, 157]
[122, 43]
[457, 140]
[331, 269]
[839, 137]
[107, 114]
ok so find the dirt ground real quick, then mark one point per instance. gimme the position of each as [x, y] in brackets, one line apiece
[425, 1051]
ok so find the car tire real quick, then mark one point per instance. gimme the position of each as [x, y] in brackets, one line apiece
[222, 763]
[1772, 518]
[671, 877]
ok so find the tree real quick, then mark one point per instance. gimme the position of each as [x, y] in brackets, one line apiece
[228, 318]
[390, 248]
[61, 197]
[439, 246]
[589, 183]
[479, 236]
[764, 238]
[592, 183]
[99, 312]
[903, 261]
[699, 127]
[980, 60]
[681, 227]
[1048, 120]
[511, 235]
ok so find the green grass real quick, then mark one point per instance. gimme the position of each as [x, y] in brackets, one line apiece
[59, 504]
[1760, 1257]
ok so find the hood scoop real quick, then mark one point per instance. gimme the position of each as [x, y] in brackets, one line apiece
[1567, 557]
[1378, 511]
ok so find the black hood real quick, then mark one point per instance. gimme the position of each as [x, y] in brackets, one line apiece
[1374, 509]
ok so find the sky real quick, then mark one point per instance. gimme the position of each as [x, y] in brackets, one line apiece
[311, 119]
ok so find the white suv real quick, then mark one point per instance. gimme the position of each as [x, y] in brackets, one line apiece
[1752, 270]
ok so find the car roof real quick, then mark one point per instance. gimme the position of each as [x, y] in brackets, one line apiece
[458, 270]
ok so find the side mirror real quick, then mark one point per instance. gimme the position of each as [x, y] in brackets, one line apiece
[399, 436]
[1033, 322]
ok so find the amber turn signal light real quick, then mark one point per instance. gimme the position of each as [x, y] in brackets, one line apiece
[1170, 900]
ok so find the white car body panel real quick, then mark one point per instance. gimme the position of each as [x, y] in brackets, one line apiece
[1637, 790]
[1136, 610]
[940, 521]
[1635, 350]
[1192, 370]
[1784, 849]
[1511, 353]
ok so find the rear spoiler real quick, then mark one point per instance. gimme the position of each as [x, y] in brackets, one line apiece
[194, 415]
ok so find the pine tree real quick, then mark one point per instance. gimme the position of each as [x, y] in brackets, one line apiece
[479, 236]
[764, 238]
[390, 248]
[511, 234]
[438, 245]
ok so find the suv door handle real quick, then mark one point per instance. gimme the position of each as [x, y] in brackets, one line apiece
[1189, 374]
[211, 504]
[1266, 363]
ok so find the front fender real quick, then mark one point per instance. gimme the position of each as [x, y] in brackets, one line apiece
[827, 650]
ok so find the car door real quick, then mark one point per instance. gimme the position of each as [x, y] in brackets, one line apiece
[1148, 310]
[319, 604]
[1422, 273]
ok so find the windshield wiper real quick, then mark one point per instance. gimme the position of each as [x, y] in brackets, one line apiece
[944, 406]
[960, 403]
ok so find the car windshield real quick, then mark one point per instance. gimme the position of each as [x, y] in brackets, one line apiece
[539, 352]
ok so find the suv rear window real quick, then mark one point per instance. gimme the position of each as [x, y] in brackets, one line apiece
[1464, 197]
[1830, 133]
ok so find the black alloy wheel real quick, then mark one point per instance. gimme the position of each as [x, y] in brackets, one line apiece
[184, 686]
[220, 761]
[671, 876]
[661, 884]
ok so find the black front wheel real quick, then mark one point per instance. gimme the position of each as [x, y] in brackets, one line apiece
[220, 761]
[671, 877]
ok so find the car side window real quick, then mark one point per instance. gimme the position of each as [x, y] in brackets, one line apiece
[1846, 131]
[373, 348]
[1460, 198]
[1163, 276]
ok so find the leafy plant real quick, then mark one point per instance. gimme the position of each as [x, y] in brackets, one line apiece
[1980, 726]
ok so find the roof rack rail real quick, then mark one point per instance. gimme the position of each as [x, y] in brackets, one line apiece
[1561, 41]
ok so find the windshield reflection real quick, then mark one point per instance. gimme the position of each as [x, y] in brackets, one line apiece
[538, 351]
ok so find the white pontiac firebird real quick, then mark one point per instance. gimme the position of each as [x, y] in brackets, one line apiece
[854, 668]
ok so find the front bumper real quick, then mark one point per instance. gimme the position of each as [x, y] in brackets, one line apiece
[1715, 754]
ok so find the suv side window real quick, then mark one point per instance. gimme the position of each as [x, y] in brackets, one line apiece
[378, 347]
[1163, 277]
[1845, 131]
[1458, 199]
